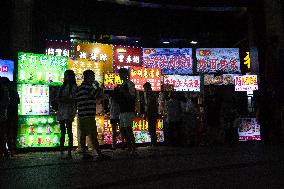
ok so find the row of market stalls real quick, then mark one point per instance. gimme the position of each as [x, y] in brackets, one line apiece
[177, 69]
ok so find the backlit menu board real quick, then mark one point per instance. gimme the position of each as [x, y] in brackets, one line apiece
[41, 68]
[34, 99]
[111, 80]
[125, 57]
[182, 82]
[249, 129]
[140, 130]
[97, 52]
[139, 76]
[218, 60]
[108, 133]
[38, 131]
[80, 65]
[169, 60]
[246, 83]
[7, 69]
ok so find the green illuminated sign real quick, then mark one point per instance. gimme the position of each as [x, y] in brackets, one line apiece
[41, 68]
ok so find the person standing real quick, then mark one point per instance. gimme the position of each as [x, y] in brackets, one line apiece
[174, 112]
[4, 103]
[12, 119]
[114, 119]
[67, 109]
[125, 94]
[86, 103]
[151, 112]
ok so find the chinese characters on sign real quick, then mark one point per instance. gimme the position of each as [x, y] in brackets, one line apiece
[58, 48]
[169, 60]
[249, 129]
[111, 80]
[139, 76]
[222, 60]
[80, 65]
[108, 133]
[99, 53]
[246, 83]
[247, 60]
[125, 57]
[7, 69]
[140, 130]
[183, 83]
[41, 68]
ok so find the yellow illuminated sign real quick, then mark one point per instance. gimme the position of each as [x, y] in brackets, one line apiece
[247, 60]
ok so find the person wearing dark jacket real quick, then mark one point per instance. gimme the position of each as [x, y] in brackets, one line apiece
[151, 112]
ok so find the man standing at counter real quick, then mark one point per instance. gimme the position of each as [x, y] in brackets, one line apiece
[86, 103]
[125, 95]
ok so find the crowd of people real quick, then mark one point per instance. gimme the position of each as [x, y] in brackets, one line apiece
[188, 119]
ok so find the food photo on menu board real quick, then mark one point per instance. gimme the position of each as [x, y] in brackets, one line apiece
[34, 99]
[224, 79]
[41, 68]
[169, 60]
[38, 131]
[218, 60]
[249, 129]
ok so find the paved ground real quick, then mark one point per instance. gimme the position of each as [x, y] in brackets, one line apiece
[246, 165]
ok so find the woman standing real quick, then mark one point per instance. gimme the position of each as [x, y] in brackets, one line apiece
[67, 109]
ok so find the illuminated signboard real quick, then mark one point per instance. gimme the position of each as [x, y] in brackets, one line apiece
[246, 83]
[183, 83]
[125, 57]
[169, 60]
[111, 80]
[247, 60]
[108, 133]
[80, 65]
[139, 76]
[222, 60]
[249, 129]
[140, 130]
[100, 122]
[7, 69]
[34, 99]
[100, 53]
[38, 131]
[224, 79]
[58, 48]
[41, 68]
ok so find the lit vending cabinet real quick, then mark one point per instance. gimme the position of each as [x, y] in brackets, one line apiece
[36, 73]
[38, 131]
